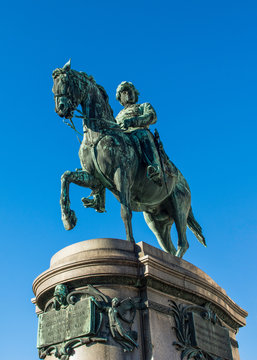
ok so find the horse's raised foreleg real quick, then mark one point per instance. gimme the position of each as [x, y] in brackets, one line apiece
[123, 186]
[81, 178]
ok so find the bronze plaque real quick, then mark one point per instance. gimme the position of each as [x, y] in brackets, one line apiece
[65, 324]
[209, 337]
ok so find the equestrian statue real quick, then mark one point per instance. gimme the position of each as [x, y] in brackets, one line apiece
[123, 156]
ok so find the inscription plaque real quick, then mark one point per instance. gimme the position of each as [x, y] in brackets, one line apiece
[58, 326]
[209, 337]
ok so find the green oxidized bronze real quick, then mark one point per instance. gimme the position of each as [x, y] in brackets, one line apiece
[123, 156]
[87, 317]
[122, 311]
[60, 294]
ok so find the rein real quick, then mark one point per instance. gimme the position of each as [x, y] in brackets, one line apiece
[72, 126]
[112, 126]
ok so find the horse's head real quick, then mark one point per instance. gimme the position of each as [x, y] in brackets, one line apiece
[67, 93]
[72, 88]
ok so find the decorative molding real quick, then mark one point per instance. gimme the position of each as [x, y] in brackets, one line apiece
[63, 268]
[158, 307]
[186, 336]
[112, 279]
[198, 300]
[168, 311]
[65, 350]
[177, 271]
[153, 283]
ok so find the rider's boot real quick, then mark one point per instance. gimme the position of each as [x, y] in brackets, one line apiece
[150, 156]
[98, 201]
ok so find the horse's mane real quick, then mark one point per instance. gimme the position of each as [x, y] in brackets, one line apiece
[101, 89]
[84, 76]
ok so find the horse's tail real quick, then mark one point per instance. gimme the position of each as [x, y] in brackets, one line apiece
[195, 227]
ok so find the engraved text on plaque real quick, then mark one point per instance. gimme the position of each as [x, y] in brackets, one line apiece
[209, 337]
[58, 326]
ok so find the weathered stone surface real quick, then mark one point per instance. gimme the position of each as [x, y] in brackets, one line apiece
[117, 270]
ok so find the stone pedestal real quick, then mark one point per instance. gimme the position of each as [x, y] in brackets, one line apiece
[116, 268]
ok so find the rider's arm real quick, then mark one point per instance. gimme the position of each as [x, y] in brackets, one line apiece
[147, 118]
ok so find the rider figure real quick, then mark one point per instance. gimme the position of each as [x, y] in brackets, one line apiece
[135, 119]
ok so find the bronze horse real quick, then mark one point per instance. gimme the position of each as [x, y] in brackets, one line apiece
[110, 160]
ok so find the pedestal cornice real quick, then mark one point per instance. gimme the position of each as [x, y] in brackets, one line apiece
[113, 261]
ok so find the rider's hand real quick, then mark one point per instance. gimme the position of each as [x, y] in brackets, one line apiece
[127, 123]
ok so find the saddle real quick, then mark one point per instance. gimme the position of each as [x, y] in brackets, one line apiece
[167, 166]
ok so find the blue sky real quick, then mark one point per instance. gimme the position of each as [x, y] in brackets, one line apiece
[195, 62]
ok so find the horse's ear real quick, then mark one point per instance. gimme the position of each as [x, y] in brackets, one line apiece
[67, 65]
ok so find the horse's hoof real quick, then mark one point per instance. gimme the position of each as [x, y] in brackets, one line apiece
[180, 253]
[69, 221]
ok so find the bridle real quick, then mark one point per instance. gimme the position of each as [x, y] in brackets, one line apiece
[73, 102]
[69, 94]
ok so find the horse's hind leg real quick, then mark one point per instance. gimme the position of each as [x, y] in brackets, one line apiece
[122, 185]
[181, 226]
[81, 178]
[161, 227]
[181, 206]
